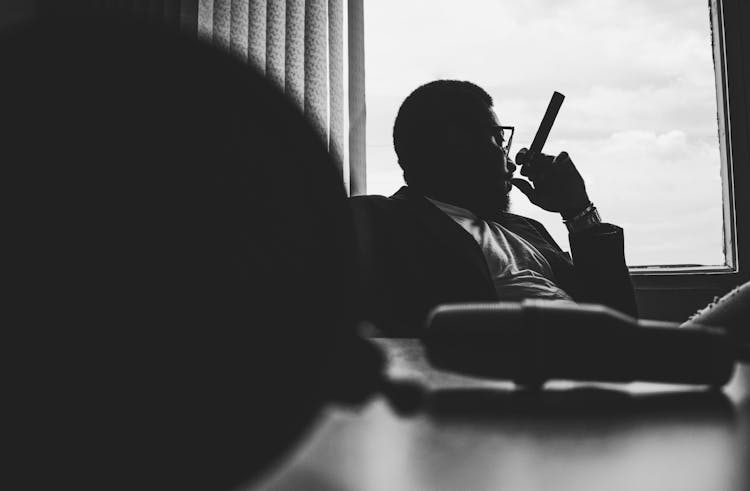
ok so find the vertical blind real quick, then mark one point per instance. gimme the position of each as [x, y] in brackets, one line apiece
[298, 44]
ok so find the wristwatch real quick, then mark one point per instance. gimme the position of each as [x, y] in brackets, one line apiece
[583, 220]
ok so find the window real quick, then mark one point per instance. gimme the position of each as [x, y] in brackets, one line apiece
[641, 120]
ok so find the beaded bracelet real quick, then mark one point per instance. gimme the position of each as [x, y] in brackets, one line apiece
[585, 219]
[583, 212]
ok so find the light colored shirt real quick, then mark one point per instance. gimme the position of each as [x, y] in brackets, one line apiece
[517, 268]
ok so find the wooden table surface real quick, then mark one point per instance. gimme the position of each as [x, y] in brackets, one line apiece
[473, 434]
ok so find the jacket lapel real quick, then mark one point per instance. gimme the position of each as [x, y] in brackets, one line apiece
[446, 233]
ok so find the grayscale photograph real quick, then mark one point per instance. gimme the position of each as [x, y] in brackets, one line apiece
[376, 245]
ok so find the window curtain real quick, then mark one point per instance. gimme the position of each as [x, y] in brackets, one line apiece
[298, 44]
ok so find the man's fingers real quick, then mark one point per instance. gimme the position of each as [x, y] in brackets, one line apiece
[525, 187]
[526, 170]
[537, 166]
[563, 158]
[521, 156]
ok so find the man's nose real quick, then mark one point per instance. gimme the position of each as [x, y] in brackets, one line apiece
[510, 166]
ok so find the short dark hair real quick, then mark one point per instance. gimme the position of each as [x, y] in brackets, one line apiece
[428, 110]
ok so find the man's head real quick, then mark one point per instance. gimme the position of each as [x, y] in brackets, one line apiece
[448, 144]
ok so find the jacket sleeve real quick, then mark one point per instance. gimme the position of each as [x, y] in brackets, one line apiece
[599, 265]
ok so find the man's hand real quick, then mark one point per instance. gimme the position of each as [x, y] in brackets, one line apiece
[558, 186]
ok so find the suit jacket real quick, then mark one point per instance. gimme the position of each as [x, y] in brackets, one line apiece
[414, 257]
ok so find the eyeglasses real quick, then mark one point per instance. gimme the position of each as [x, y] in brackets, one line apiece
[499, 133]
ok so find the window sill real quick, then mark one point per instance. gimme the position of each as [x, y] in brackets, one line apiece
[675, 293]
[686, 269]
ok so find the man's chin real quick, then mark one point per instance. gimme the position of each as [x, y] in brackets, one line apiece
[499, 203]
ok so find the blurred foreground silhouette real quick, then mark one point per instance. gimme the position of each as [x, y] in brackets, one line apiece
[179, 261]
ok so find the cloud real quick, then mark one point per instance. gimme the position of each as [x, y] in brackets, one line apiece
[639, 119]
[662, 188]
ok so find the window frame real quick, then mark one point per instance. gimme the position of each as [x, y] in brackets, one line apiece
[664, 292]
[674, 292]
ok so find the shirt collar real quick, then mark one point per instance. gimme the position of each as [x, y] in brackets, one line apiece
[453, 210]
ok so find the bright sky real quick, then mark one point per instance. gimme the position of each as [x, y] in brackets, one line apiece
[639, 119]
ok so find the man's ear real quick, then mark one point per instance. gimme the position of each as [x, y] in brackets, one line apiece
[451, 138]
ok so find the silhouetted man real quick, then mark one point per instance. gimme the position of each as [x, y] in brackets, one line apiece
[447, 236]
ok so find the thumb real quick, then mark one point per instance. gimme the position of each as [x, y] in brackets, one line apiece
[525, 187]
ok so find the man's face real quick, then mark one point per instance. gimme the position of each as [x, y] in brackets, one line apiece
[482, 169]
[498, 162]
